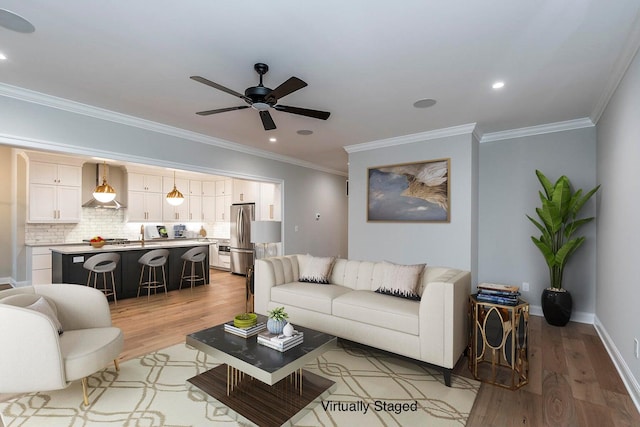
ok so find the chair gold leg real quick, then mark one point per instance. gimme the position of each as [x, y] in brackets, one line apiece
[84, 391]
[116, 364]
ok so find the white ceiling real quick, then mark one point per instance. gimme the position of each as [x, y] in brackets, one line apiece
[365, 61]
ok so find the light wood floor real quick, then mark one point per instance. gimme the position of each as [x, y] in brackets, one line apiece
[572, 380]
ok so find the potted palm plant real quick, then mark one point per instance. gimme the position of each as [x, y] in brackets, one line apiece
[558, 223]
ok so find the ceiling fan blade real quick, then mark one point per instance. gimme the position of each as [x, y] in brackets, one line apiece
[221, 110]
[267, 121]
[219, 87]
[322, 115]
[291, 85]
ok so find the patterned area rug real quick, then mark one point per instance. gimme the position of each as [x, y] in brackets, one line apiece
[373, 389]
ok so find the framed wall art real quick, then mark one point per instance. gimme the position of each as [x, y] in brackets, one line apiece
[417, 192]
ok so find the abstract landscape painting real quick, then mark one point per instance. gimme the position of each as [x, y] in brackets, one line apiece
[410, 192]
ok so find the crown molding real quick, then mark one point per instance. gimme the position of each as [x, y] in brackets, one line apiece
[410, 139]
[538, 130]
[618, 71]
[124, 119]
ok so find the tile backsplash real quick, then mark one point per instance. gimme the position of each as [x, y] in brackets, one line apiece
[109, 223]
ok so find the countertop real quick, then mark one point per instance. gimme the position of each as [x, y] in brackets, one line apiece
[134, 245]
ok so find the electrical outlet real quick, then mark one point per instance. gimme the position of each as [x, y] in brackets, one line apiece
[525, 286]
[636, 348]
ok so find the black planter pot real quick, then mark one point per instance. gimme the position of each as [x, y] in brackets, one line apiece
[556, 306]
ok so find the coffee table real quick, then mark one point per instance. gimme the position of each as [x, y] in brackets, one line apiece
[260, 384]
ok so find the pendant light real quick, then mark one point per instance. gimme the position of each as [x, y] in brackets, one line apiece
[175, 197]
[104, 193]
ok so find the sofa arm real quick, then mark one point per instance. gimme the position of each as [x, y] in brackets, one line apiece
[30, 359]
[79, 307]
[270, 272]
[443, 317]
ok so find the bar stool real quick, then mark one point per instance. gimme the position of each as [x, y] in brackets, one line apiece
[152, 260]
[102, 264]
[194, 256]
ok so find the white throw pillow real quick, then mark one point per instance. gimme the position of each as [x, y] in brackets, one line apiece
[401, 280]
[316, 269]
[42, 306]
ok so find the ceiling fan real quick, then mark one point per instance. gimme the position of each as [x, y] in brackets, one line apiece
[263, 98]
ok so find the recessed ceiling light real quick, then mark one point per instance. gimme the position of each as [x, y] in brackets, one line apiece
[2, 56]
[424, 103]
[304, 132]
[272, 139]
[498, 85]
[14, 22]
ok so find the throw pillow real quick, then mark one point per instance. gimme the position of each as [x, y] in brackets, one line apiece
[42, 306]
[316, 270]
[401, 280]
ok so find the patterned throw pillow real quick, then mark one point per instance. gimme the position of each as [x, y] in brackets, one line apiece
[401, 280]
[316, 269]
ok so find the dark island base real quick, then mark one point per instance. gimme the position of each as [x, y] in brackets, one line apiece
[260, 403]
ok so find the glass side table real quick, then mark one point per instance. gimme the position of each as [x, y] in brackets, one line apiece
[498, 343]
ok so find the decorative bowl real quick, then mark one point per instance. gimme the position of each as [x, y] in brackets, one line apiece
[98, 245]
[245, 320]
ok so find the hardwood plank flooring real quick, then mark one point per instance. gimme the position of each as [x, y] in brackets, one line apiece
[572, 380]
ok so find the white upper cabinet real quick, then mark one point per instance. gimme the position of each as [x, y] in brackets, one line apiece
[245, 191]
[209, 188]
[224, 187]
[144, 182]
[55, 192]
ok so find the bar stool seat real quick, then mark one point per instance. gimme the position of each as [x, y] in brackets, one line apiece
[194, 256]
[103, 263]
[153, 260]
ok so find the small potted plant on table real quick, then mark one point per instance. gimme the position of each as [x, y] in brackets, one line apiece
[277, 320]
[558, 224]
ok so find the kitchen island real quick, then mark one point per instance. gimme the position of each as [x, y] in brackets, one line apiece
[67, 263]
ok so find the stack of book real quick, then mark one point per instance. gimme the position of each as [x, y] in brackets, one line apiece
[245, 332]
[498, 294]
[280, 342]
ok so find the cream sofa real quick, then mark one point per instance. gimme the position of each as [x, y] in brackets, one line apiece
[432, 330]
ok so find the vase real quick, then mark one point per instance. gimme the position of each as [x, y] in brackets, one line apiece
[556, 306]
[275, 326]
[288, 330]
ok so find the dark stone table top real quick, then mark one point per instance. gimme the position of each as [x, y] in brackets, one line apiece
[249, 356]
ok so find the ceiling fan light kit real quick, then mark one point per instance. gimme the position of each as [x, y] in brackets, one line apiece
[262, 98]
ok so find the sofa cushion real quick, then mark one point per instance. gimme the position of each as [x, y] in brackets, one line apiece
[86, 351]
[316, 269]
[309, 296]
[401, 280]
[379, 310]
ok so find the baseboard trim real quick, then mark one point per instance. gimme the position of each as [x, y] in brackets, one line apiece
[630, 382]
[576, 316]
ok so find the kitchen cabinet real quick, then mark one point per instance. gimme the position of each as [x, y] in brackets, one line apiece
[40, 268]
[224, 187]
[181, 184]
[265, 208]
[223, 208]
[209, 189]
[144, 183]
[144, 206]
[209, 208]
[55, 192]
[175, 213]
[245, 191]
[195, 209]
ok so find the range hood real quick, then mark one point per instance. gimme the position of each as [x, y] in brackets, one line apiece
[93, 203]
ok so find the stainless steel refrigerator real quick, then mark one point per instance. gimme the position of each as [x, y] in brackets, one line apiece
[242, 250]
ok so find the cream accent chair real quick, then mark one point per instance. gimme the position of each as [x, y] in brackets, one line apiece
[34, 357]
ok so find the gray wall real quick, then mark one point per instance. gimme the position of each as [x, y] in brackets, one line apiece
[618, 226]
[305, 190]
[451, 244]
[509, 190]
